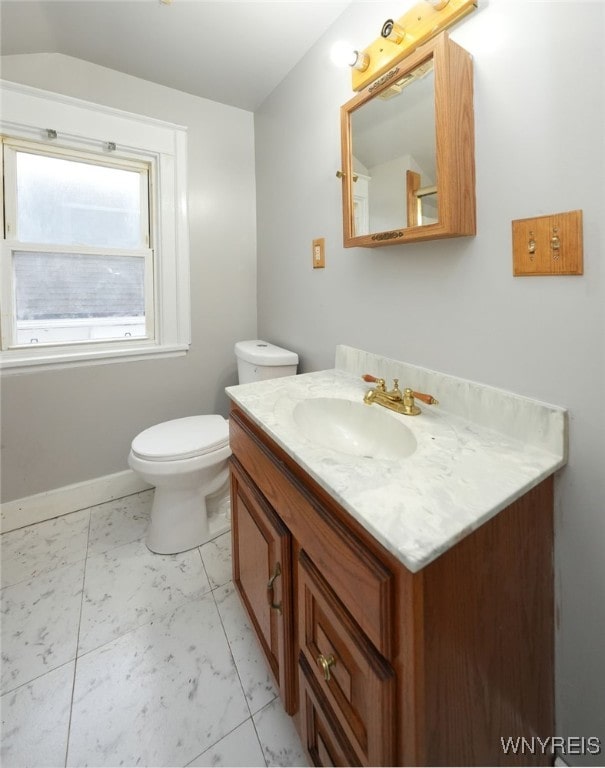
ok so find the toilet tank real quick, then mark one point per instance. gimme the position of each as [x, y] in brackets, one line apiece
[258, 360]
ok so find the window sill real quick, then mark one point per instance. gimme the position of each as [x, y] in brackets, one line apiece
[19, 361]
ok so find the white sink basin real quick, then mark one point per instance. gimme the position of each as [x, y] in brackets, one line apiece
[354, 428]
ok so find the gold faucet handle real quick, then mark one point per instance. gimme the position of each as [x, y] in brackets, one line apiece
[373, 380]
[428, 399]
[409, 407]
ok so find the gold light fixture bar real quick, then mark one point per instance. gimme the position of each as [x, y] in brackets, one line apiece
[403, 36]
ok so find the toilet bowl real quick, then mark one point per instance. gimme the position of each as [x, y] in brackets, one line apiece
[186, 460]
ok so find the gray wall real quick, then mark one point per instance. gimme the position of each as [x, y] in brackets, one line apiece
[67, 426]
[454, 305]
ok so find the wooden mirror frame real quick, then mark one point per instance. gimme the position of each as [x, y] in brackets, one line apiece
[455, 147]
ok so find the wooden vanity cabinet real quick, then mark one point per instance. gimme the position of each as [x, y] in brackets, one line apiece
[379, 665]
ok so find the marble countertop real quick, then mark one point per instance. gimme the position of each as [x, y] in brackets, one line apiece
[477, 452]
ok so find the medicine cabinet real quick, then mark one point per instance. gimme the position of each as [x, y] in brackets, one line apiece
[408, 151]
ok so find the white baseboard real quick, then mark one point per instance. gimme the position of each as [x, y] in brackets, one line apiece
[70, 498]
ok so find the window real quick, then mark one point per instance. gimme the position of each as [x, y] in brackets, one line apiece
[94, 261]
[77, 231]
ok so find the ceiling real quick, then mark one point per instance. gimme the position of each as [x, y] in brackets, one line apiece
[231, 51]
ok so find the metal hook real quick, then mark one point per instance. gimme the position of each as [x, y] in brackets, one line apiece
[342, 174]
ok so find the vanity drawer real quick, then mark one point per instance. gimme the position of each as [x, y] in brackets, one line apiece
[358, 684]
[322, 736]
[363, 583]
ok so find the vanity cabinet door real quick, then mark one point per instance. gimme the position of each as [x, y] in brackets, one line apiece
[355, 681]
[262, 573]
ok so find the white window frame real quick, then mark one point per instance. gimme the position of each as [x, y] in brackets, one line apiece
[11, 246]
[61, 122]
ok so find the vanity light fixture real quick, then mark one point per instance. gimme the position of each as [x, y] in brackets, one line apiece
[398, 38]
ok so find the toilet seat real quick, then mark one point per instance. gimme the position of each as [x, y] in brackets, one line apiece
[184, 438]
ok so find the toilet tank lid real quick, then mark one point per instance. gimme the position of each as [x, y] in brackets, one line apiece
[260, 352]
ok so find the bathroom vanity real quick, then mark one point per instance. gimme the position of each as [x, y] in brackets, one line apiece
[405, 606]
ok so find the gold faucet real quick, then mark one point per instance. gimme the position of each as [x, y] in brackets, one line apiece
[395, 399]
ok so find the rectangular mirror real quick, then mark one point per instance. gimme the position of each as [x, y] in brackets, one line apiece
[408, 151]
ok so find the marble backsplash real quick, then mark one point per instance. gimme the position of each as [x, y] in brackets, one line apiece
[521, 418]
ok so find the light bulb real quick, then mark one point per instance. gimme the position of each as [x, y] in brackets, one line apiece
[343, 54]
[391, 30]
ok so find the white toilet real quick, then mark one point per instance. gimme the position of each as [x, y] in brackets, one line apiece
[186, 460]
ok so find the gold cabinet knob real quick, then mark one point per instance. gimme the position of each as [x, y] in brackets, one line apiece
[325, 662]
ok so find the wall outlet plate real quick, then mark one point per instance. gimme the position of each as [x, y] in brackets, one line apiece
[319, 253]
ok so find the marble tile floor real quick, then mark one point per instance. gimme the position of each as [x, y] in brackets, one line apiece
[114, 656]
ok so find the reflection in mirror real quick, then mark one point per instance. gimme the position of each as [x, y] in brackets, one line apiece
[393, 149]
